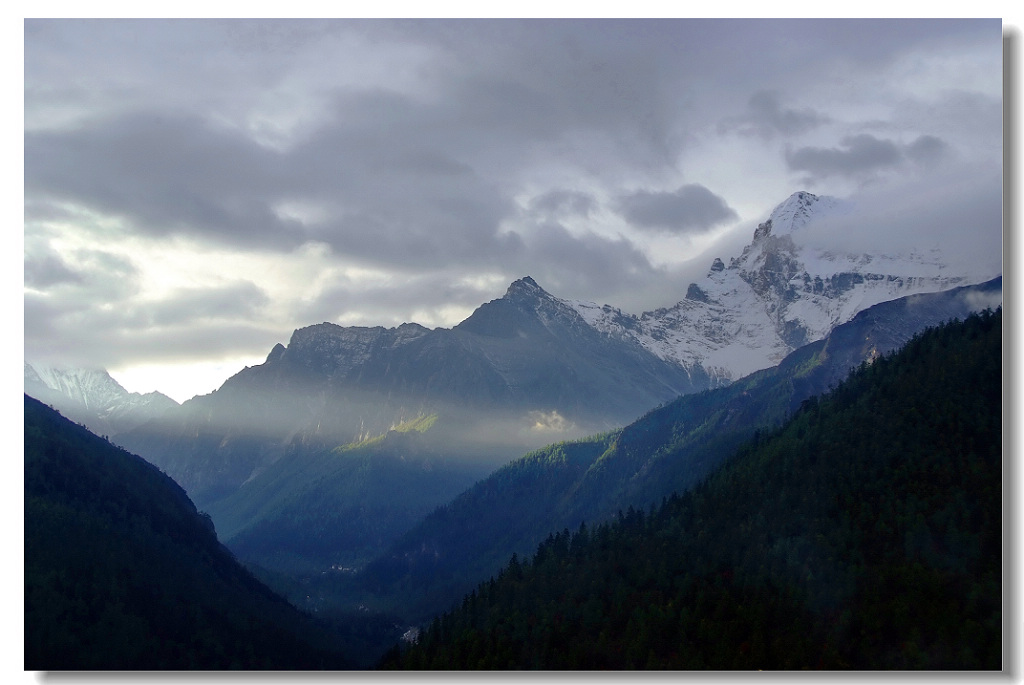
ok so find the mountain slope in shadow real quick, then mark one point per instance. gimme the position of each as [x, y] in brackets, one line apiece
[669, 450]
[122, 572]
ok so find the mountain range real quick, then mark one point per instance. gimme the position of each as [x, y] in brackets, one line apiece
[861, 534]
[379, 426]
[669, 450]
[523, 370]
[383, 467]
[531, 367]
[780, 293]
[94, 399]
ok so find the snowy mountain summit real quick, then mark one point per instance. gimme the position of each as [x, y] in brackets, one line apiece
[91, 397]
[779, 294]
[794, 213]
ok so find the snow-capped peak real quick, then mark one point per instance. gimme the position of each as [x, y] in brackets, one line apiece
[92, 397]
[777, 295]
[526, 288]
[795, 212]
[94, 388]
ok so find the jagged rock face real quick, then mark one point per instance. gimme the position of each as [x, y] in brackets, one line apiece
[94, 399]
[331, 350]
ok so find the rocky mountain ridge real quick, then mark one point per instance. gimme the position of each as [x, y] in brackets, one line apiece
[530, 368]
[522, 370]
[779, 294]
[668, 450]
[93, 398]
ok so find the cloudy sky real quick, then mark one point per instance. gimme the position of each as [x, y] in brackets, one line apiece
[197, 189]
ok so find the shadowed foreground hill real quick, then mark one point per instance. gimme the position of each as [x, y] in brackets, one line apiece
[863, 534]
[122, 572]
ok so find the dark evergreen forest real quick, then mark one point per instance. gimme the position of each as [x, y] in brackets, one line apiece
[122, 572]
[863, 534]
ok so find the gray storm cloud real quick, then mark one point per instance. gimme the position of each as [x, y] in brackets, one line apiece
[447, 158]
[45, 268]
[855, 155]
[767, 118]
[564, 202]
[242, 300]
[926, 150]
[864, 154]
[692, 208]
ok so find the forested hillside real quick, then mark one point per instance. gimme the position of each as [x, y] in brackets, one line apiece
[669, 449]
[122, 572]
[339, 508]
[863, 534]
